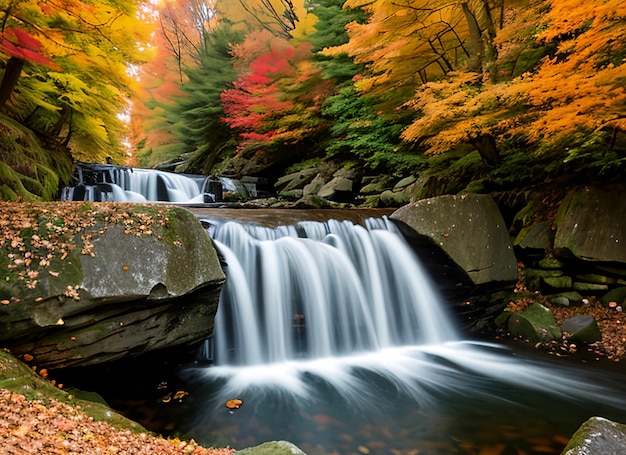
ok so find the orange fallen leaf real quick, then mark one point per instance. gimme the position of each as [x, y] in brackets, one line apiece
[234, 404]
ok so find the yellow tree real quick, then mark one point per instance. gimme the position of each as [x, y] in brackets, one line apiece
[92, 45]
[574, 92]
[410, 42]
[284, 18]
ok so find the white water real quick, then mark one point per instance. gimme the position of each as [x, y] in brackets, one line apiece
[108, 183]
[337, 304]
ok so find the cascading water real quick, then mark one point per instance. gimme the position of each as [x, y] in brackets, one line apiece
[336, 317]
[321, 290]
[110, 183]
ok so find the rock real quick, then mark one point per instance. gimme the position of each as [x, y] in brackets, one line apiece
[536, 323]
[314, 187]
[589, 287]
[295, 180]
[582, 328]
[272, 448]
[597, 436]
[116, 290]
[371, 201]
[534, 277]
[394, 198]
[373, 188]
[551, 263]
[291, 195]
[338, 189]
[536, 237]
[557, 282]
[596, 278]
[314, 202]
[567, 298]
[470, 229]
[404, 182]
[590, 225]
[617, 295]
[20, 378]
[561, 301]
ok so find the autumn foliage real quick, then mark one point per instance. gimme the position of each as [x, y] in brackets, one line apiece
[391, 85]
[64, 83]
[430, 77]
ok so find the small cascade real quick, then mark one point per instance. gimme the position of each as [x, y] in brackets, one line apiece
[109, 183]
[319, 290]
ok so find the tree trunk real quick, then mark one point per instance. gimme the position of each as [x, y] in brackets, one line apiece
[10, 78]
[489, 34]
[486, 146]
[475, 61]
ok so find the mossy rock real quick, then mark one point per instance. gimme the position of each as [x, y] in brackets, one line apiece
[20, 378]
[551, 263]
[582, 328]
[404, 182]
[536, 323]
[597, 436]
[596, 278]
[557, 282]
[589, 287]
[567, 298]
[272, 448]
[617, 295]
[534, 277]
[502, 319]
[291, 195]
[84, 283]
[537, 237]
[372, 201]
[373, 188]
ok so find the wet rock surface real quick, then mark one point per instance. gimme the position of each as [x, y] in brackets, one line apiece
[89, 283]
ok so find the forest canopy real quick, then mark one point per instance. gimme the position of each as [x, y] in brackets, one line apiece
[516, 90]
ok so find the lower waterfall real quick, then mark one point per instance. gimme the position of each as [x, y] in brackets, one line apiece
[331, 335]
[335, 301]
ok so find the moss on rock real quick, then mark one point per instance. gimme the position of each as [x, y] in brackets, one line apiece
[19, 378]
[272, 448]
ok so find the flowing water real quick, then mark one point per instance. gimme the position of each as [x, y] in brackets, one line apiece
[110, 183]
[334, 338]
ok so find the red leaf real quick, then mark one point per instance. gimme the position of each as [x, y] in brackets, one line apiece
[24, 39]
[26, 48]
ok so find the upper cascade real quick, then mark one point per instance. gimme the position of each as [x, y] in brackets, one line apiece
[110, 183]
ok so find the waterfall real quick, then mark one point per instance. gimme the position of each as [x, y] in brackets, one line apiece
[316, 290]
[335, 305]
[110, 183]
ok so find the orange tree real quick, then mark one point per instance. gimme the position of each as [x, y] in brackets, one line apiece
[548, 74]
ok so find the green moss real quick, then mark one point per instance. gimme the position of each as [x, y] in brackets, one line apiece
[19, 378]
[272, 448]
[312, 163]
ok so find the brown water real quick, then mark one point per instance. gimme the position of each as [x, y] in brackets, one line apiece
[280, 217]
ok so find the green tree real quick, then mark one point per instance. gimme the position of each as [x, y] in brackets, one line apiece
[196, 116]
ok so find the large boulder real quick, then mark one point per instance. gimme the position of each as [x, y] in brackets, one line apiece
[591, 225]
[470, 229]
[84, 283]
